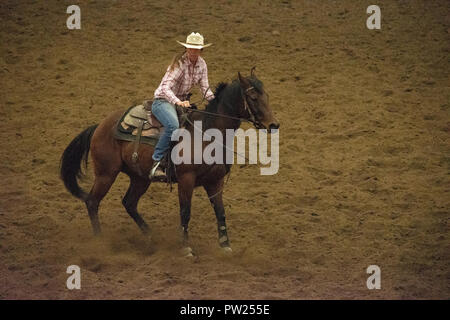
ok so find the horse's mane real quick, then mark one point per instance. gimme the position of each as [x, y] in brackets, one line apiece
[226, 93]
[231, 89]
[213, 104]
[219, 88]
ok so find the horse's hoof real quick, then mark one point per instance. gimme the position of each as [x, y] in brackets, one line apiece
[187, 252]
[227, 250]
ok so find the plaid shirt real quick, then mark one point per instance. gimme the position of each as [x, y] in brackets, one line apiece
[177, 83]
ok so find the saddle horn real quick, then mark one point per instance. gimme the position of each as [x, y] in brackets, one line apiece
[252, 71]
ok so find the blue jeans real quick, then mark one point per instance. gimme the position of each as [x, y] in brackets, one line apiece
[166, 114]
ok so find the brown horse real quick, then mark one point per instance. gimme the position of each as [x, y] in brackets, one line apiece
[243, 99]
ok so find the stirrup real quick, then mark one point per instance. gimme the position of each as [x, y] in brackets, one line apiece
[155, 173]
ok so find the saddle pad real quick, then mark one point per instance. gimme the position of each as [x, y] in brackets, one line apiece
[128, 133]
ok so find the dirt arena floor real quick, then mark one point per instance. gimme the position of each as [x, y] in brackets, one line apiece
[364, 151]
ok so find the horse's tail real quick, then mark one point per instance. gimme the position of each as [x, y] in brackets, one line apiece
[71, 158]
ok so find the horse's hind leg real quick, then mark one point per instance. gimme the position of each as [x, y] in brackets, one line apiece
[98, 191]
[138, 186]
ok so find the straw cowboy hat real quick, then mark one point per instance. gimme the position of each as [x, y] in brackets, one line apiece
[194, 41]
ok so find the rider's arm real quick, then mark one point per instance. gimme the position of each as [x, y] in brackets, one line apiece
[168, 82]
[204, 84]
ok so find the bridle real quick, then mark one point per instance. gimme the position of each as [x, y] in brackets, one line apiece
[251, 117]
[249, 110]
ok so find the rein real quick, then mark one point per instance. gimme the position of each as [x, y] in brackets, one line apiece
[217, 115]
[246, 107]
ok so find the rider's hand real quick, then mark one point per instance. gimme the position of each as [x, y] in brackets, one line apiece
[184, 104]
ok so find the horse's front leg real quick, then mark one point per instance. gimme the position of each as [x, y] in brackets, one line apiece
[214, 191]
[186, 185]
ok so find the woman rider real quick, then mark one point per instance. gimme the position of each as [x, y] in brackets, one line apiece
[186, 70]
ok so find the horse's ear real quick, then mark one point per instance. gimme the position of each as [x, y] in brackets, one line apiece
[244, 82]
[252, 72]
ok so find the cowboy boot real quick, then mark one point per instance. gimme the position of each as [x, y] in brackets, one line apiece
[157, 172]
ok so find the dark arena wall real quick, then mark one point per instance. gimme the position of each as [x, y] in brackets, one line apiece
[364, 152]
